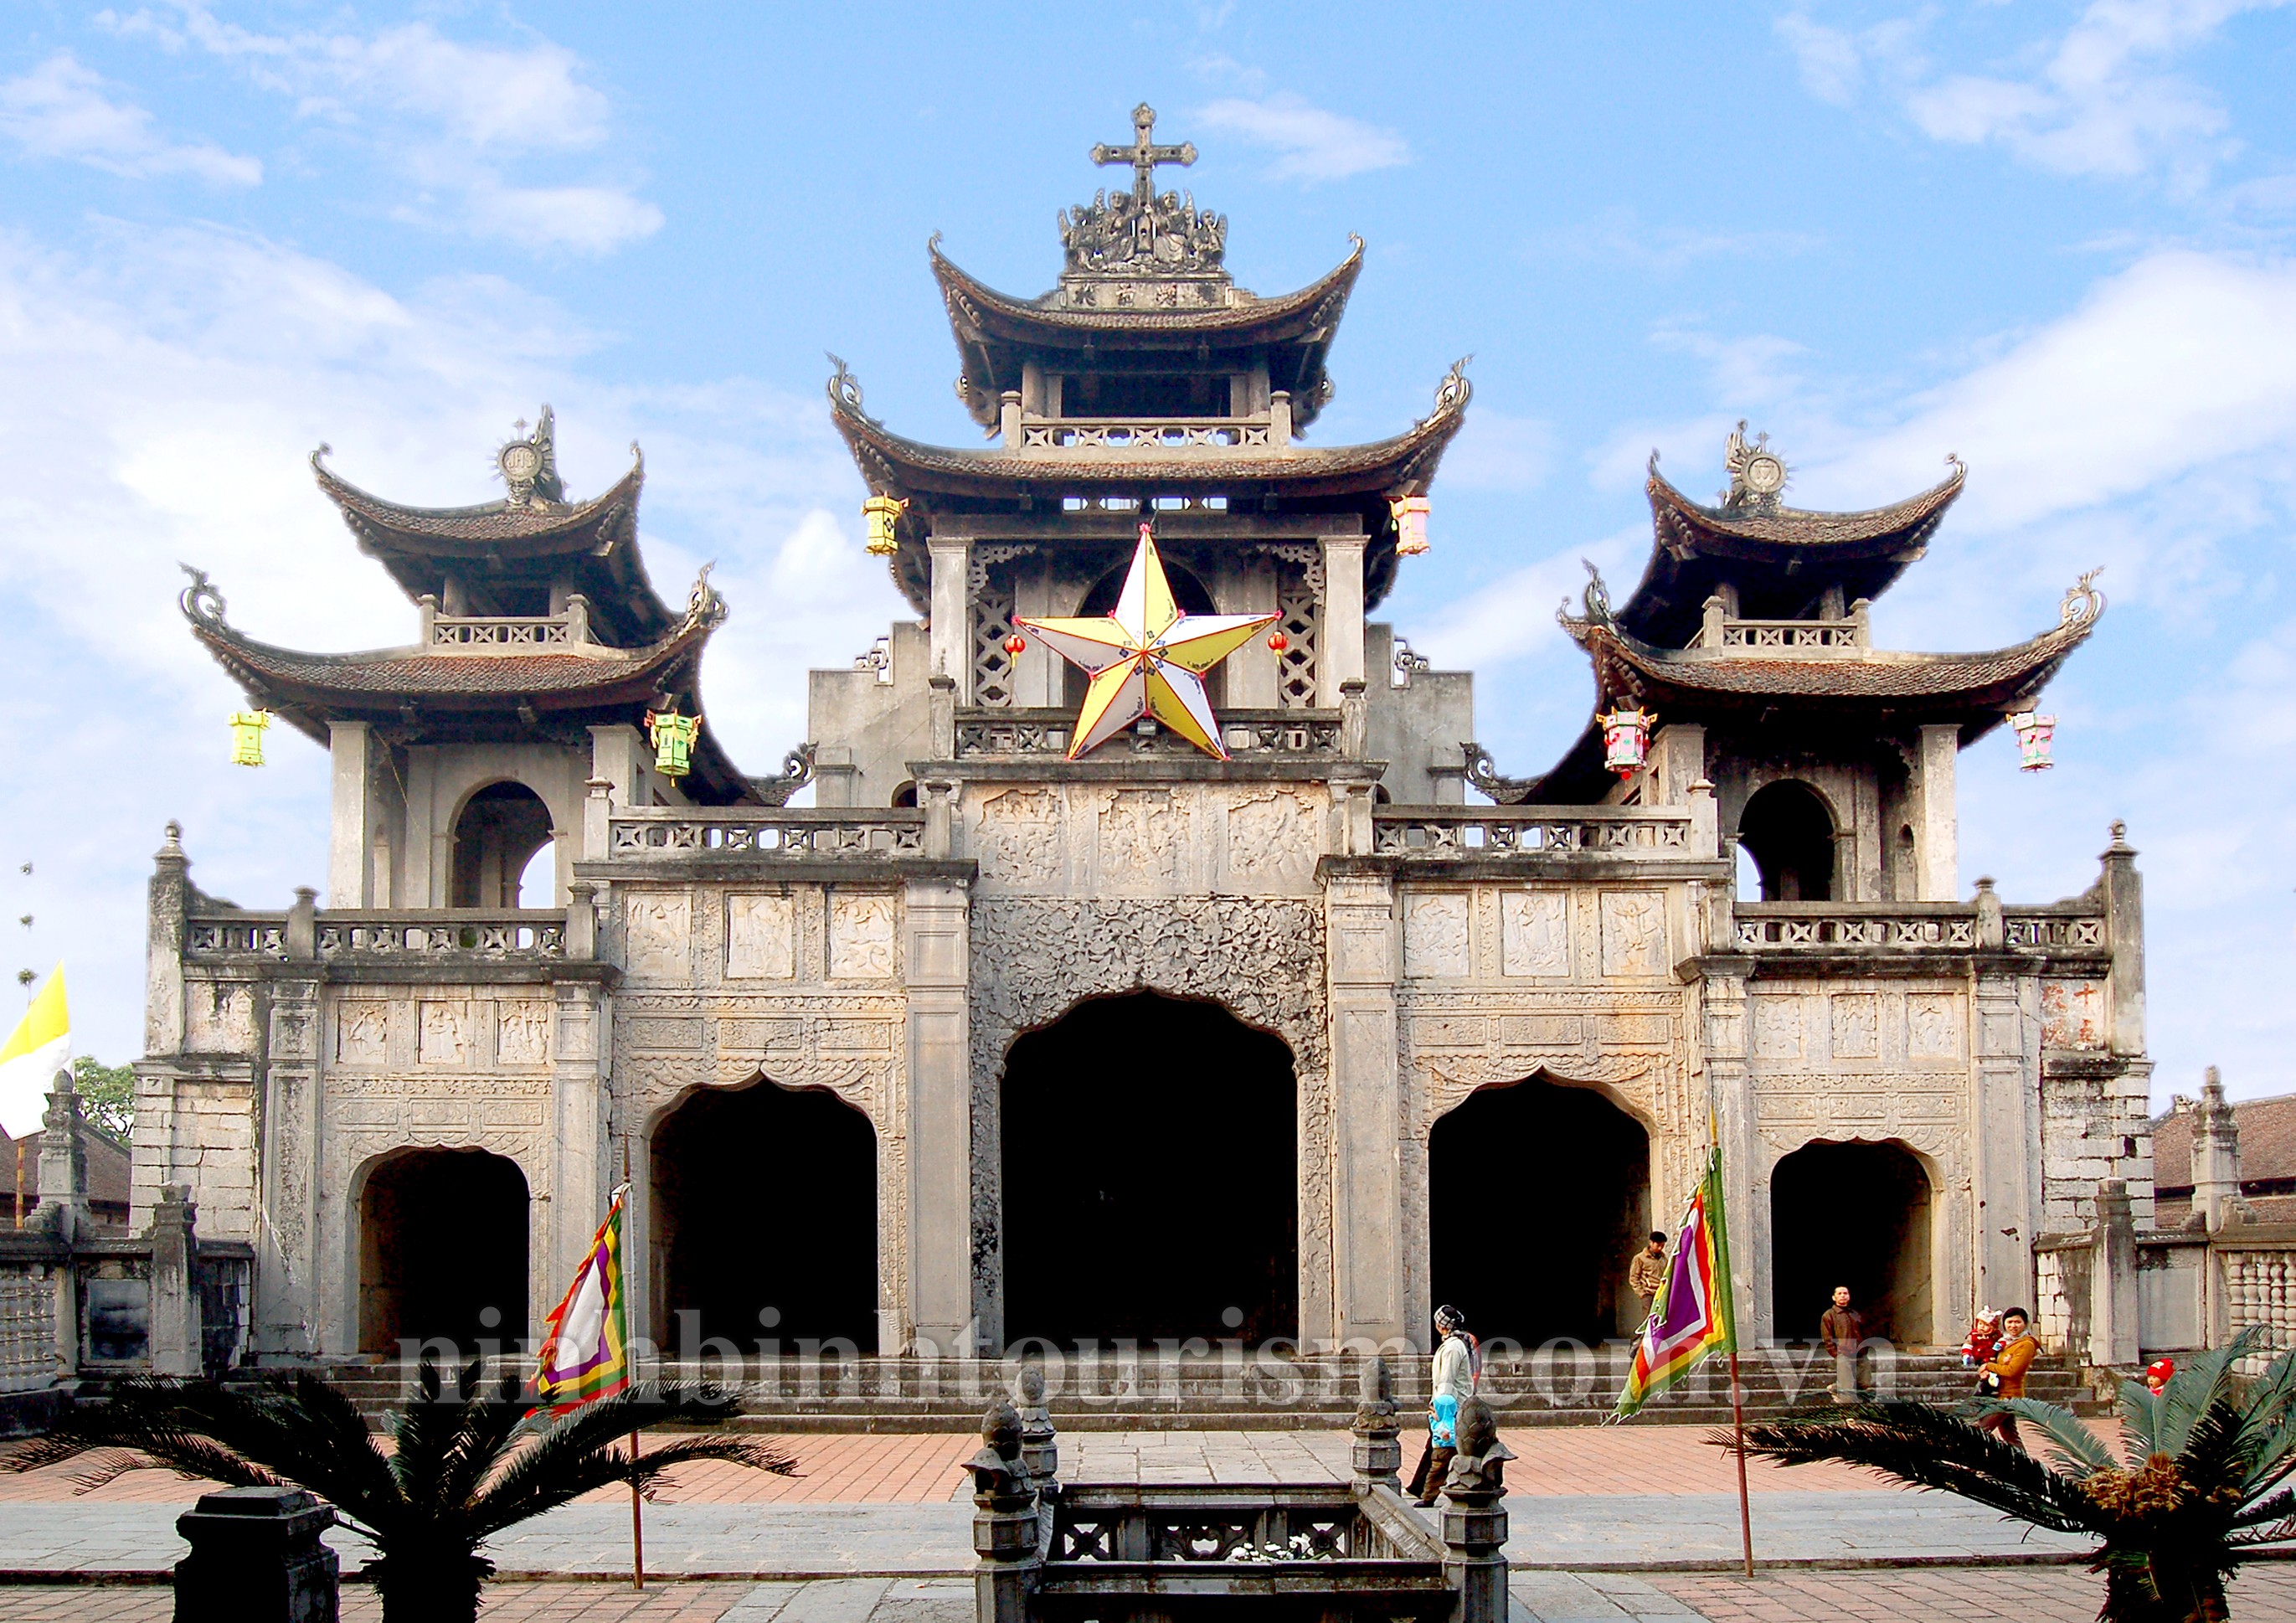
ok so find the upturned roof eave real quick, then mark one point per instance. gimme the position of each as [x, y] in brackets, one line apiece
[1794, 534]
[1302, 316]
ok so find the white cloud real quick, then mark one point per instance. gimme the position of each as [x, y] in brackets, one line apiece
[451, 117]
[1499, 452]
[1310, 144]
[166, 388]
[60, 110]
[1833, 69]
[1513, 618]
[1618, 235]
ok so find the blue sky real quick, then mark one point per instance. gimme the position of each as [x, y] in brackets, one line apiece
[2055, 241]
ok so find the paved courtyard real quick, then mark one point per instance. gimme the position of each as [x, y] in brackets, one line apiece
[1607, 1523]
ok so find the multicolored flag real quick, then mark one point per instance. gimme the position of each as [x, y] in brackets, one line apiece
[585, 1340]
[1692, 1315]
[39, 1047]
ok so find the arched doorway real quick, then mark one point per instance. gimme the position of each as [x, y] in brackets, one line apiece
[765, 1219]
[1151, 1176]
[1539, 1195]
[499, 829]
[442, 1251]
[1854, 1215]
[1789, 832]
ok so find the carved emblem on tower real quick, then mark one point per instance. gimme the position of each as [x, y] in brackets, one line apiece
[1137, 233]
[1757, 472]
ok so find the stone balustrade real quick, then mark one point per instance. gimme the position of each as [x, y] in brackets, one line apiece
[684, 831]
[1149, 435]
[1789, 927]
[516, 934]
[490, 632]
[1828, 636]
[986, 734]
[1453, 832]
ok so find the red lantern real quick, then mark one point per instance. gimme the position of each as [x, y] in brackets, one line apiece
[1277, 641]
[1015, 643]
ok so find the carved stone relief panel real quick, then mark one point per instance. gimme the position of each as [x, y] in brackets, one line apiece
[1020, 837]
[1634, 933]
[443, 1033]
[1856, 1019]
[661, 938]
[1920, 1108]
[760, 936]
[2072, 1013]
[1274, 838]
[522, 1031]
[1934, 1026]
[1778, 1026]
[1435, 934]
[864, 926]
[1535, 933]
[363, 1032]
[1139, 836]
[218, 1017]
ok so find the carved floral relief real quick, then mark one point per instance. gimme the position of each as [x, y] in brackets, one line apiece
[1139, 836]
[1273, 836]
[1019, 838]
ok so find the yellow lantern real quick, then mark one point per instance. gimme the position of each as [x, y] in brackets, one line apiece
[246, 736]
[882, 514]
[1410, 524]
[673, 737]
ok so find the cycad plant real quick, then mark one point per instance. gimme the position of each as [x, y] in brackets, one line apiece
[2200, 1488]
[463, 1465]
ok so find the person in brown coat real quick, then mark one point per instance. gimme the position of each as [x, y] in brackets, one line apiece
[1646, 1273]
[1842, 1328]
[2006, 1369]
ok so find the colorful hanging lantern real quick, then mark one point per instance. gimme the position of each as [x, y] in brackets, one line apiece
[882, 514]
[246, 736]
[1626, 738]
[1016, 645]
[673, 737]
[1277, 642]
[1410, 524]
[2035, 732]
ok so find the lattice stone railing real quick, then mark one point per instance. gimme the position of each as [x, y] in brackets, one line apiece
[2041, 932]
[679, 830]
[1148, 434]
[1793, 634]
[1437, 832]
[484, 632]
[1040, 733]
[492, 933]
[1907, 927]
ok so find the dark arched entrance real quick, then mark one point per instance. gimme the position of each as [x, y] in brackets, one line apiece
[765, 1219]
[1854, 1215]
[1789, 832]
[1151, 1176]
[500, 828]
[442, 1251]
[1539, 1195]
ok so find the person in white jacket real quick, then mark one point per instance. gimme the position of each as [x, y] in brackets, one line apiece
[1458, 1370]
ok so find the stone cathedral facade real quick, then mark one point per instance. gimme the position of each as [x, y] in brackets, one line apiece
[1003, 1038]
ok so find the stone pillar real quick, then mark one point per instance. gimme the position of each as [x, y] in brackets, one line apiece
[2216, 1159]
[257, 1557]
[1004, 1521]
[350, 845]
[163, 946]
[1722, 1004]
[2112, 1280]
[937, 954]
[2005, 1149]
[582, 1163]
[1475, 1518]
[618, 755]
[62, 1209]
[1340, 644]
[1367, 1091]
[1377, 1455]
[174, 1333]
[952, 612]
[288, 1311]
[2124, 915]
[1040, 1448]
[1677, 760]
[1937, 863]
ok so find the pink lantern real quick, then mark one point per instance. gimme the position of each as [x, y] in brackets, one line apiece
[2035, 732]
[1410, 524]
[1626, 738]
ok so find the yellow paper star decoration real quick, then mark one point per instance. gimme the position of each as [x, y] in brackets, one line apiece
[1146, 659]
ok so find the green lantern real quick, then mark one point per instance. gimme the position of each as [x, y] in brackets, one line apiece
[673, 737]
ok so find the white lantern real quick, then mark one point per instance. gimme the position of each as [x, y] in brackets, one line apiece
[2035, 734]
[1626, 738]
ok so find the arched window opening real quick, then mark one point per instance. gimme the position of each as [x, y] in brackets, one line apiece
[442, 1251]
[1789, 832]
[765, 1220]
[1189, 595]
[1151, 1183]
[905, 793]
[1548, 1258]
[1904, 882]
[501, 828]
[1856, 1215]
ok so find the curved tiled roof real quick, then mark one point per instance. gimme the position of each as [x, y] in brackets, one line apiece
[472, 531]
[1756, 528]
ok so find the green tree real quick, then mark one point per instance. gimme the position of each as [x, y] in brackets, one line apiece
[466, 1463]
[2201, 1486]
[107, 1095]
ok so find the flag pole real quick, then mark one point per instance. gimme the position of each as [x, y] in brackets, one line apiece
[1730, 1300]
[637, 1500]
[1738, 1426]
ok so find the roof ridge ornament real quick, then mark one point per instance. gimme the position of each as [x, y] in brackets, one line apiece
[202, 603]
[528, 465]
[703, 605]
[1594, 602]
[845, 391]
[1138, 233]
[1757, 472]
[2083, 603]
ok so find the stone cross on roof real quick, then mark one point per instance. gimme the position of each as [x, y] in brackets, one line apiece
[1143, 154]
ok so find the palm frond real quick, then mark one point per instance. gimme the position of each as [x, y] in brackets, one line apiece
[2272, 1507]
[489, 1426]
[2193, 1389]
[518, 1495]
[2271, 1407]
[568, 1452]
[1927, 1446]
[2077, 1447]
[425, 1432]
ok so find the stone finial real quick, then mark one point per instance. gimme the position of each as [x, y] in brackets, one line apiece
[1039, 1450]
[2217, 1198]
[2120, 840]
[170, 853]
[1377, 1454]
[1000, 1480]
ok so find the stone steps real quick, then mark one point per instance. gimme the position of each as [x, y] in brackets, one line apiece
[1155, 1393]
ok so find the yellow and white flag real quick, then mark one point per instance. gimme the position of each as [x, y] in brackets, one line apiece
[40, 1047]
